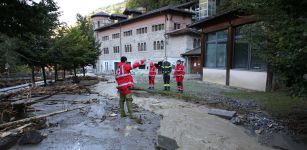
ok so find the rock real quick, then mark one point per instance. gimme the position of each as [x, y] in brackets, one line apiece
[222, 113]
[249, 132]
[259, 131]
[236, 120]
[141, 129]
[166, 143]
[113, 115]
[32, 137]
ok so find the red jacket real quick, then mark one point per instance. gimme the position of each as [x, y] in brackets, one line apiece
[152, 70]
[179, 72]
[124, 78]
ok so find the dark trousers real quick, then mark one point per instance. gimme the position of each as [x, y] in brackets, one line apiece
[166, 79]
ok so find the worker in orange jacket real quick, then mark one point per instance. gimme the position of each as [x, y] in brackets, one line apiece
[152, 75]
[125, 83]
[179, 75]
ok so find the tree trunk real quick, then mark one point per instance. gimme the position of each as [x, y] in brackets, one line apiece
[32, 75]
[83, 69]
[55, 72]
[75, 72]
[64, 74]
[44, 75]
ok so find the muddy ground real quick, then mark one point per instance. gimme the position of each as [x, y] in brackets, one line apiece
[99, 127]
[95, 127]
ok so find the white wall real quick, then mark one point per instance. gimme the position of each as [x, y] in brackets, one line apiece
[248, 79]
[214, 75]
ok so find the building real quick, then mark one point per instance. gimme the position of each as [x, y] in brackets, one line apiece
[139, 35]
[227, 57]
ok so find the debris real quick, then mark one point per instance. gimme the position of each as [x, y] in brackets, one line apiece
[32, 137]
[236, 120]
[166, 143]
[259, 131]
[113, 115]
[26, 120]
[222, 113]
[141, 129]
[14, 131]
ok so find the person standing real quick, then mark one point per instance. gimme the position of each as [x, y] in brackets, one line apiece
[152, 75]
[179, 75]
[166, 70]
[125, 83]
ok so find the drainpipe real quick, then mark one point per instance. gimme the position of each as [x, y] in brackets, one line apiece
[120, 40]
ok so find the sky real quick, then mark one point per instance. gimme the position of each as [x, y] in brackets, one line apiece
[70, 8]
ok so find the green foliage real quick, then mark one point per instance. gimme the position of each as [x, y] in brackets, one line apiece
[284, 35]
[76, 46]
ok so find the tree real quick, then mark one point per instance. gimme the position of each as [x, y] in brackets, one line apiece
[284, 35]
[32, 24]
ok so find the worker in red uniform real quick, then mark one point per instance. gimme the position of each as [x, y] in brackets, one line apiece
[125, 83]
[152, 75]
[179, 75]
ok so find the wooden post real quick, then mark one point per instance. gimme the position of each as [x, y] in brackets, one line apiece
[230, 47]
[203, 52]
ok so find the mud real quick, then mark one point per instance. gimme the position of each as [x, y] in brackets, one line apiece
[96, 127]
[191, 126]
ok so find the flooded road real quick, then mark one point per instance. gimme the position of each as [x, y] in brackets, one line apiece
[96, 127]
[190, 125]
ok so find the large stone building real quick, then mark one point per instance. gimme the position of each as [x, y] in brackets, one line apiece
[139, 35]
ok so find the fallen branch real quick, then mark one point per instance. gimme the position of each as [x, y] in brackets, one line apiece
[14, 131]
[26, 120]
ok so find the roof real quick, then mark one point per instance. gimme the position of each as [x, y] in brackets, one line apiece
[116, 16]
[132, 11]
[167, 9]
[100, 14]
[186, 5]
[184, 31]
[225, 14]
[193, 52]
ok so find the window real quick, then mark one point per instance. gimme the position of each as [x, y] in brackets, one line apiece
[142, 46]
[105, 38]
[155, 45]
[116, 49]
[105, 50]
[245, 56]
[141, 30]
[115, 36]
[216, 49]
[98, 24]
[158, 45]
[128, 33]
[176, 26]
[157, 27]
[162, 45]
[196, 43]
[128, 48]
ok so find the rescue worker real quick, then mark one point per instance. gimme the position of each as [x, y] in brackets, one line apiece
[179, 75]
[166, 70]
[125, 83]
[152, 75]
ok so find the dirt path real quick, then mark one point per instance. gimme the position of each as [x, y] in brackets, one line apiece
[190, 125]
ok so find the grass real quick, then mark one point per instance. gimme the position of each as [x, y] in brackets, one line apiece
[278, 104]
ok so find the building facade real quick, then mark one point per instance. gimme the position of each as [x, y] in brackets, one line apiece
[143, 36]
[227, 55]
